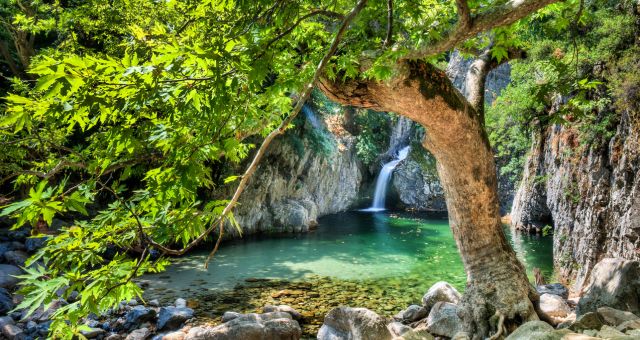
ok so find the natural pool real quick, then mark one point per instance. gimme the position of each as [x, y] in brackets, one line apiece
[382, 261]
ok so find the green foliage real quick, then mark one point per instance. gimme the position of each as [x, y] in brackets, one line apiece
[547, 230]
[373, 139]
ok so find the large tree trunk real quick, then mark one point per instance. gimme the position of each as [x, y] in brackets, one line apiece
[496, 280]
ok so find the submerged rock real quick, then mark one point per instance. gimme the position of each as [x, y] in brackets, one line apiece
[614, 283]
[443, 320]
[353, 323]
[285, 309]
[440, 292]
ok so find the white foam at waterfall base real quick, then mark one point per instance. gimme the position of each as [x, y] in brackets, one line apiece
[384, 178]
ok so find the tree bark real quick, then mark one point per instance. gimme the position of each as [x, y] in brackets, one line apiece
[496, 280]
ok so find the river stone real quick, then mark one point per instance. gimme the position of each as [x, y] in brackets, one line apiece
[629, 325]
[534, 330]
[614, 317]
[92, 333]
[16, 257]
[138, 315]
[11, 331]
[180, 303]
[346, 323]
[553, 306]
[398, 328]
[6, 301]
[285, 309]
[411, 314]
[32, 244]
[267, 326]
[440, 292]
[443, 320]
[228, 316]
[590, 320]
[177, 335]
[555, 289]
[614, 283]
[416, 334]
[7, 273]
[139, 334]
[608, 332]
[173, 317]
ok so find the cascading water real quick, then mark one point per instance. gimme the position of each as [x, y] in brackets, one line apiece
[311, 117]
[383, 180]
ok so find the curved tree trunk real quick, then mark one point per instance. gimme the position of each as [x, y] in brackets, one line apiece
[496, 280]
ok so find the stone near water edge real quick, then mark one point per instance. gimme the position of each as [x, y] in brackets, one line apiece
[440, 292]
[628, 325]
[398, 329]
[16, 257]
[11, 331]
[114, 336]
[6, 320]
[180, 303]
[461, 336]
[137, 315]
[555, 289]
[443, 320]
[7, 275]
[416, 334]
[353, 323]
[614, 283]
[173, 317]
[285, 309]
[532, 330]
[6, 301]
[32, 244]
[228, 316]
[93, 333]
[608, 332]
[591, 320]
[177, 335]
[139, 334]
[553, 306]
[274, 325]
[614, 317]
[411, 314]
[154, 303]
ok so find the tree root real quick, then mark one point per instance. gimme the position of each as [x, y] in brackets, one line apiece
[500, 327]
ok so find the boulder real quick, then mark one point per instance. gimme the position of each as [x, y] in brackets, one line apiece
[267, 326]
[555, 289]
[93, 333]
[7, 275]
[411, 314]
[16, 257]
[608, 332]
[6, 301]
[614, 317]
[177, 335]
[173, 317]
[228, 316]
[32, 244]
[353, 323]
[628, 325]
[11, 331]
[398, 328]
[138, 315]
[283, 308]
[139, 334]
[553, 306]
[533, 330]
[419, 333]
[6, 320]
[614, 283]
[590, 320]
[440, 292]
[443, 320]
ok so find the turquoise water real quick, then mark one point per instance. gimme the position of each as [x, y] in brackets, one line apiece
[385, 249]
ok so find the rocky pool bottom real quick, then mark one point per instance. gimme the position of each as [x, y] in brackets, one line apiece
[380, 261]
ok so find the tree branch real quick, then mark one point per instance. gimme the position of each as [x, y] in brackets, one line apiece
[506, 14]
[387, 40]
[306, 93]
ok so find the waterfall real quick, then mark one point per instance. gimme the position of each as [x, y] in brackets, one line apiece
[383, 180]
[311, 117]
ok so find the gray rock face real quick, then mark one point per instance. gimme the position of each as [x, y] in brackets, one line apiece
[173, 317]
[443, 320]
[592, 195]
[411, 314]
[614, 283]
[614, 317]
[6, 301]
[416, 182]
[268, 326]
[138, 315]
[7, 273]
[345, 323]
[16, 257]
[139, 334]
[291, 189]
[532, 330]
[440, 292]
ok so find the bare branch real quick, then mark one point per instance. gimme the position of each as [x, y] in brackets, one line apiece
[506, 14]
[387, 40]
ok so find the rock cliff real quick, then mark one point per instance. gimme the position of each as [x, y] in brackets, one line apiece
[590, 193]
